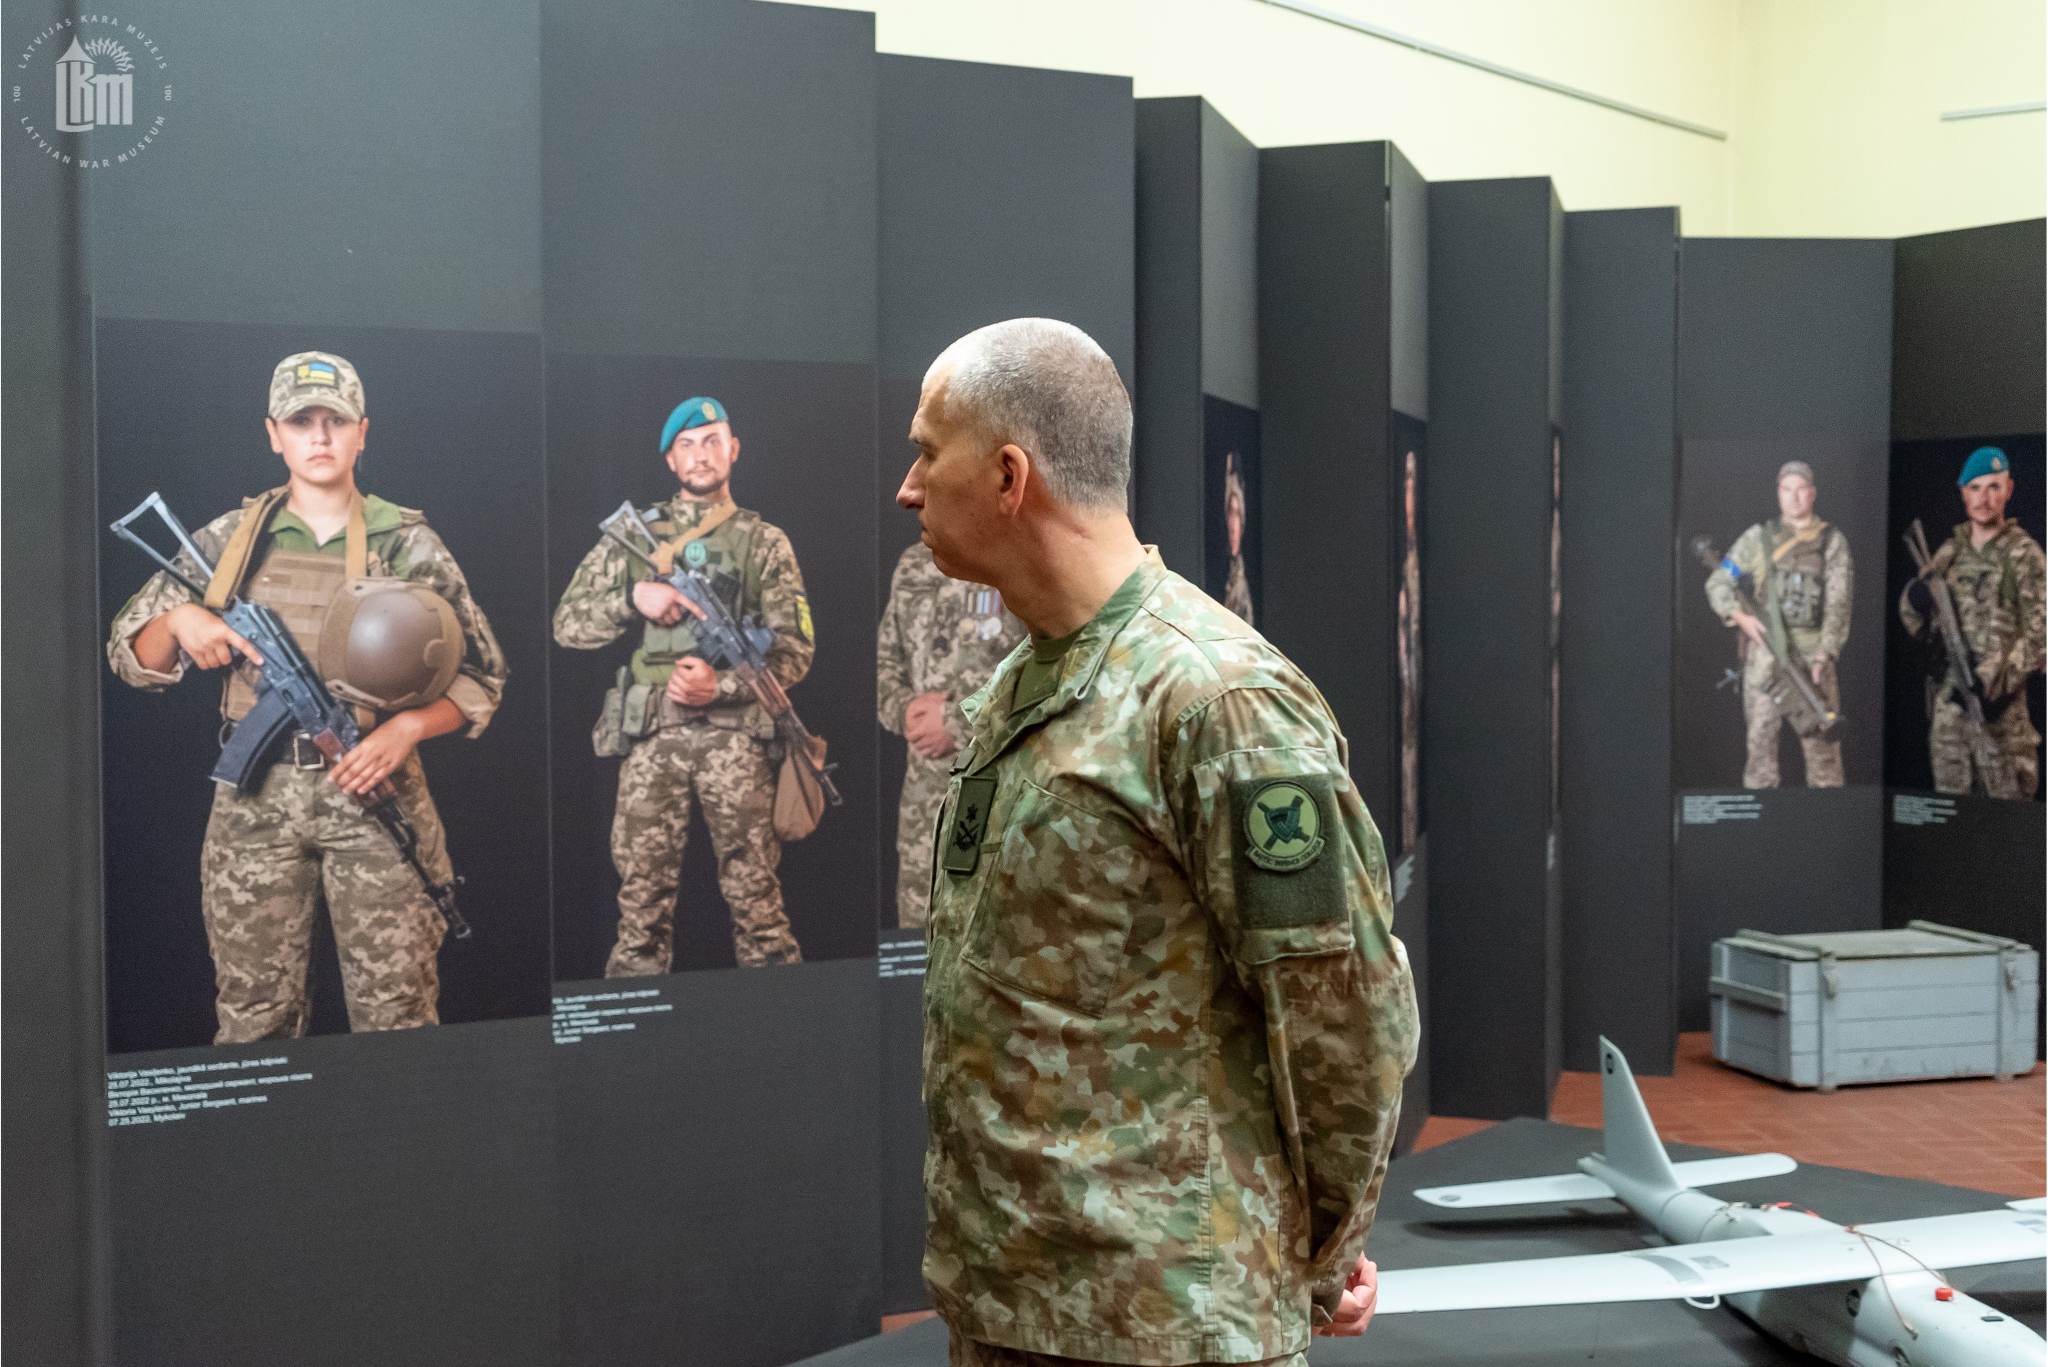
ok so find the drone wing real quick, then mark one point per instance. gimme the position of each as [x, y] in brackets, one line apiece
[1577, 1186]
[1830, 1254]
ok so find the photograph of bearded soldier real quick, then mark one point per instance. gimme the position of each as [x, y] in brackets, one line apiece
[698, 738]
[1801, 574]
[272, 855]
[1994, 573]
[940, 640]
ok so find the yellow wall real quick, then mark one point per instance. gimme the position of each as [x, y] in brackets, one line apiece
[1838, 129]
[1830, 105]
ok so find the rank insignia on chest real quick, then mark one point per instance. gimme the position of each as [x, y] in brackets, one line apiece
[960, 839]
[1286, 873]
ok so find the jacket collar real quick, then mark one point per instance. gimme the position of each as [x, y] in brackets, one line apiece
[996, 727]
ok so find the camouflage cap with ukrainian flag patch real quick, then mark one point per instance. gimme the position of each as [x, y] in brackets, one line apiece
[315, 379]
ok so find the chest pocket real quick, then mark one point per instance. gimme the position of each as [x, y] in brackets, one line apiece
[1053, 915]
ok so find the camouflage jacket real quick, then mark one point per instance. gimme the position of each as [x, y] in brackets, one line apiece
[1166, 1017]
[401, 546]
[1764, 569]
[1999, 597]
[938, 635]
[597, 607]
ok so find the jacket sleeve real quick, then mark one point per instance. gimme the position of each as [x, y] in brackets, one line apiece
[2030, 639]
[893, 686]
[480, 681]
[598, 604]
[785, 610]
[1838, 573]
[158, 595]
[1747, 553]
[1318, 955]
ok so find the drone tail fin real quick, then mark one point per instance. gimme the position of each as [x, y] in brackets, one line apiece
[1632, 1149]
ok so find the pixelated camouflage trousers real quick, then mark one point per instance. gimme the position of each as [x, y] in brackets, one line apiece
[1761, 723]
[2012, 736]
[966, 1352]
[668, 774]
[924, 792]
[271, 857]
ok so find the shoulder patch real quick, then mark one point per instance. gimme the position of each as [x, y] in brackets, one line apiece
[803, 616]
[1286, 874]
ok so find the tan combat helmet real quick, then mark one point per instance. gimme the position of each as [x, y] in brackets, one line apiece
[390, 644]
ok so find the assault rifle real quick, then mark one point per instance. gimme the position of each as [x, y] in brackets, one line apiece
[290, 696]
[1961, 677]
[1791, 688]
[737, 644]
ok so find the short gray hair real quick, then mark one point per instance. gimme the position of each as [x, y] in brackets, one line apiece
[1047, 387]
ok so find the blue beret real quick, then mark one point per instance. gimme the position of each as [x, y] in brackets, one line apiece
[1985, 460]
[690, 413]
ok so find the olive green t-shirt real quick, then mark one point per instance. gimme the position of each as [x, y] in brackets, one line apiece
[1039, 679]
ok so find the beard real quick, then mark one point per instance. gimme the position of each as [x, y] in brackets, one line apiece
[704, 484]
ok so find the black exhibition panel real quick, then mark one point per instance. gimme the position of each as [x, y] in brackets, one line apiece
[1968, 324]
[1343, 329]
[1004, 192]
[1618, 500]
[1969, 353]
[1784, 353]
[53, 1125]
[260, 1195]
[1490, 539]
[1197, 397]
[715, 235]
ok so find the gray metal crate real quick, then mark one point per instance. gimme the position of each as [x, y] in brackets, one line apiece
[1874, 1005]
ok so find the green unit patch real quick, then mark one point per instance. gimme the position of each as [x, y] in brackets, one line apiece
[960, 839]
[1286, 873]
[695, 553]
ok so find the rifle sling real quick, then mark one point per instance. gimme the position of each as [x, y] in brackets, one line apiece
[238, 557]
[664, 556]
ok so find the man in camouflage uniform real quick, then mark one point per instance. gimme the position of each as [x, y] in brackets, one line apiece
[1800, 575]
[710, 741]
[1994, 574]
[272, 855]
[939, 640]
[1166, 1018]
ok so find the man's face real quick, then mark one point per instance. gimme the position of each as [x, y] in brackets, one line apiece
[954, 487]
[1795, 498]
[319, 445]
[1233, 521]
[1984, 498]
[702, 457]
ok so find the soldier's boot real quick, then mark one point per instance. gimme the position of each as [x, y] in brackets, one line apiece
[650, 830]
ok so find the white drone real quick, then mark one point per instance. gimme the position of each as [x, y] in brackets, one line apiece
[1861, 1296]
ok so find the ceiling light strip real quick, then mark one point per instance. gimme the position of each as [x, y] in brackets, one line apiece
[1417, 44]
[2036, 107]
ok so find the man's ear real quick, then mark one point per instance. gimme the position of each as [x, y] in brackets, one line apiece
[1015, 463]
[735, 452]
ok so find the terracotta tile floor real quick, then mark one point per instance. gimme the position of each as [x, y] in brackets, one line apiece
[1976, 1132]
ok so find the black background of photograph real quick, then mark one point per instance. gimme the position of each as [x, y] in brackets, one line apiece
[1724, 487]
[1228, 427]
[805, 432]
[180, 410]
[1923, 485]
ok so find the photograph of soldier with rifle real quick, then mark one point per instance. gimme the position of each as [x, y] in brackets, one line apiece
[348, 636]
[1785, 585]
[701, 714]
[1976, 605]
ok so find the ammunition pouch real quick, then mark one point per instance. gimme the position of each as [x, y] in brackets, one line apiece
[630, 713]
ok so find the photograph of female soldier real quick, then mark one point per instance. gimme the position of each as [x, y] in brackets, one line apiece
[300, 837]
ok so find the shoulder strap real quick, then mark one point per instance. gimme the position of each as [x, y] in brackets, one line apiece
[355, 549]
[1812, 531]
[233, 566]
[665, 554]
